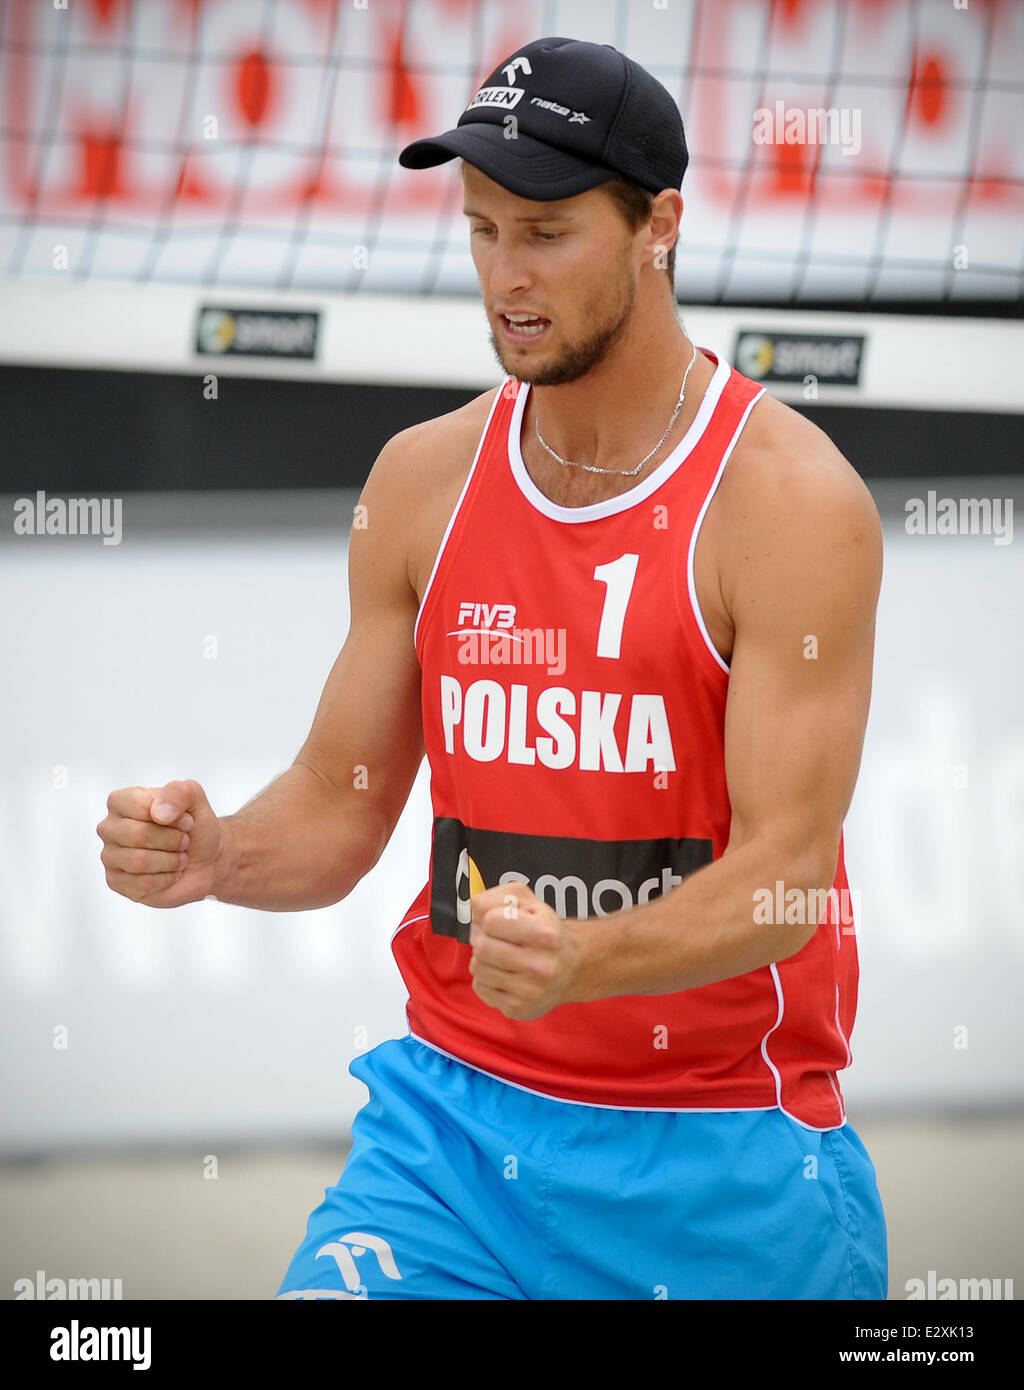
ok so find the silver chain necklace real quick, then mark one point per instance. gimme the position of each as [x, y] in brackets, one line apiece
[624, 472]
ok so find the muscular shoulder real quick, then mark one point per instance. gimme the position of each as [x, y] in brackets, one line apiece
[790, 506]
[783, 462]
[416, 481]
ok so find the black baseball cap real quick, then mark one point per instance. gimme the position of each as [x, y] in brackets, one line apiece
[583, 113]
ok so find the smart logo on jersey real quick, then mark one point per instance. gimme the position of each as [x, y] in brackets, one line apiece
[468, 882]
[577, 878]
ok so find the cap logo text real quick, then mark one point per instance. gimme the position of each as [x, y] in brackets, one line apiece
[496, 96]
[579, 117]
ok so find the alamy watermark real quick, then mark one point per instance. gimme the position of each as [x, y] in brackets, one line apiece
[781, 906]
[70, 516]
[936, 1288]
[84, 1343]
[55, 1288]
[960, 516]
[520, 646]
[815, 125]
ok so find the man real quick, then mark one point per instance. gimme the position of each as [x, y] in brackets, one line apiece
[625, 604]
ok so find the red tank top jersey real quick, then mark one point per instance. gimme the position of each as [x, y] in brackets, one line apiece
[574, 715]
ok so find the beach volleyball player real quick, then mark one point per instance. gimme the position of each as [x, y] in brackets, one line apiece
[624, 602]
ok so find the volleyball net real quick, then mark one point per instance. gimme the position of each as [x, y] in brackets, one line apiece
[859, 151]
[190, 187]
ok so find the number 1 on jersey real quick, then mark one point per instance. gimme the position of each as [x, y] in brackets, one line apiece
[618, 576]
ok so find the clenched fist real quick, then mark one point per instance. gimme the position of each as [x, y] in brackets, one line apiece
[525, 957]
[160, 844]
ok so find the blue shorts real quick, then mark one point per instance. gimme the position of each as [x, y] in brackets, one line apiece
[459, 1185]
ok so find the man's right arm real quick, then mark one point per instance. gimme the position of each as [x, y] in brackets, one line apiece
[308, 838]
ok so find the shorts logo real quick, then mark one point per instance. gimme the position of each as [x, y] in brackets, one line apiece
[578, 878]
[497, 96]
[345, 1259]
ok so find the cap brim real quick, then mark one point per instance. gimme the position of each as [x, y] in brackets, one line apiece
[524, 166]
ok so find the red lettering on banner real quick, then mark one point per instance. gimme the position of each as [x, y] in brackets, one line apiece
[927, 96]
[392, 89]
[790, 12]
[100, 158]
[190, 187]
[100, 166]
[457, 9]
[104, 10]
[253, 87]
[403, 107]
[792, 176]
[784, 173]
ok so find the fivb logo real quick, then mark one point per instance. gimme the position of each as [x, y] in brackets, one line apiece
[345, 1258]
[487, 637]
[485, 615]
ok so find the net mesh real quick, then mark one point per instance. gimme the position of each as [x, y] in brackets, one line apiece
[841, 150]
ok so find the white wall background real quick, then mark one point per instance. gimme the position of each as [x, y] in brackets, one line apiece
[214, 1022]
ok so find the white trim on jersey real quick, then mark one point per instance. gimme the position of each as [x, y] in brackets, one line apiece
[457, 508]
[839, 1030]
[819, 1129]
[690, 581]
[611, 505]
[409, 921]
[764, 1041]
[835, 1088]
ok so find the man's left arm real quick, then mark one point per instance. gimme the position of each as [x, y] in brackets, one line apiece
[800, 570]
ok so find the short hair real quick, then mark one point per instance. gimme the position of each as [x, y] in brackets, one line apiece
[635, 203]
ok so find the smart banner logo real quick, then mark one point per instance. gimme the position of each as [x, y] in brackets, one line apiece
[256, 333]
[832, 359]
[578, 878]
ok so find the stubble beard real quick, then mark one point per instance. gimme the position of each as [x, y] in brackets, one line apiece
[582, 356]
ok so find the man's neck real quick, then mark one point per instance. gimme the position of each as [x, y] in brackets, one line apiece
[616, 414]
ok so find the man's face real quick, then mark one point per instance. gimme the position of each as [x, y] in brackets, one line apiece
[568, 264]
